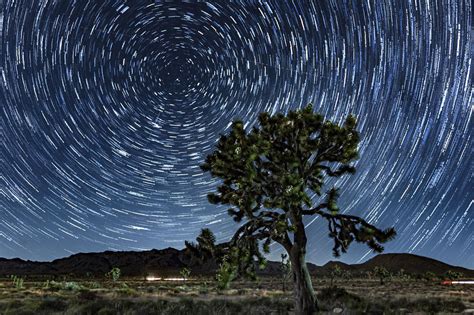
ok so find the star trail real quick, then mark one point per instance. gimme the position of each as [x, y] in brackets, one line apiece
[107, 109]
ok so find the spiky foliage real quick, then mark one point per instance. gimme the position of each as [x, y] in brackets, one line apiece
[269, 173]
[185, 272]
[205, 247]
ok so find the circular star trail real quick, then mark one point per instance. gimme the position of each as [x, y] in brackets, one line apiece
[107, 108]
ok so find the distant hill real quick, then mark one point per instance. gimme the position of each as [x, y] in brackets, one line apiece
[170, 261]
[410, 263]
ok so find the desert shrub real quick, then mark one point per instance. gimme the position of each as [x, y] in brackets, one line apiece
[429, 276]
[185, 272]
[113, 274]
[72, 286]
[334, 297]
[63, 285]
[225, 274]
[336, 273]
[46, 285]
[402, 275]
[54, 285]
[453, 275]
[204, 288]
[17, 282]
[369, 274]
[382, 273]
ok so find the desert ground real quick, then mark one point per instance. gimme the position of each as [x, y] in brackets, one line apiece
[267, 295]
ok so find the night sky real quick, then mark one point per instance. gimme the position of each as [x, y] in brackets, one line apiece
[107, 109]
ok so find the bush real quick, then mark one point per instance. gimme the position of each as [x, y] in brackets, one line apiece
[402, 275]
[17, 281]
[382, 273]
[113, 274]
[225, 274]
[336, 273]
[72, 286]
[429, 276]
[185, 272]
[453, 275]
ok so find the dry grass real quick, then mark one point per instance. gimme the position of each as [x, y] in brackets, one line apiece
[202, 297]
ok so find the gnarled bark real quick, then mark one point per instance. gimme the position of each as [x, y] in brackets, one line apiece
[305, 298]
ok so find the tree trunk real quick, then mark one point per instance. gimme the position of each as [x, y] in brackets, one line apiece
[305, 299]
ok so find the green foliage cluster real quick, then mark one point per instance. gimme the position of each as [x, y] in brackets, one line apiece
[402, 275]
[113, 274]
[205, 248]
[17, 281]
[269, 173]
[453, 275]
[429, 276]
[336, 273]
[226, 273]
[185, 272]
[72, 286]
[62, 285]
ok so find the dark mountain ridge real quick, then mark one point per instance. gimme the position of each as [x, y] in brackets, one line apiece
[170, 261]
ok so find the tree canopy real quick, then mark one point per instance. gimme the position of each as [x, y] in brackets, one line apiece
[269, 173]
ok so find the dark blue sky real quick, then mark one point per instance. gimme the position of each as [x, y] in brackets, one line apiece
[107, 108]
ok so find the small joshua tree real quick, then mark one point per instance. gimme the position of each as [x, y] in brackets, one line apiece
[402, 275]
[226, 273]
[113, 274]
[17, 282]
[429, 276]
[285, 270]
[453, 275]
[382, 273]
[336, 273]
[185, 272]
[206, 247]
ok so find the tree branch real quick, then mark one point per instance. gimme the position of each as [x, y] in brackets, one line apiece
[344, 229]
[315, 210]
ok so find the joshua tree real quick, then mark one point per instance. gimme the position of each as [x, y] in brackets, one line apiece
[113, 274]
[336, 273]
[205, 247]
[429, 275]
[185, 272]
[453, 275]
[272, 175]
[382, 273]
[226, 273]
